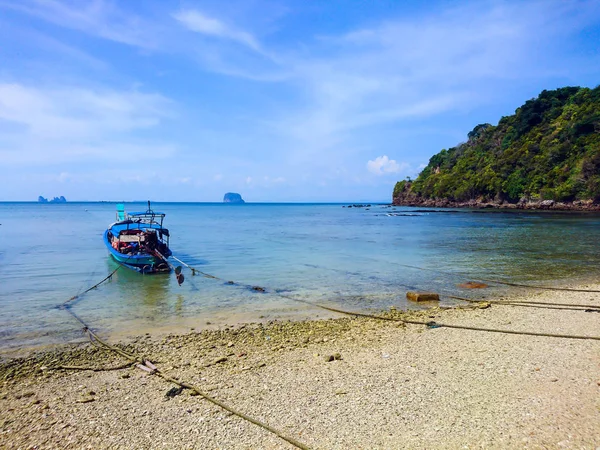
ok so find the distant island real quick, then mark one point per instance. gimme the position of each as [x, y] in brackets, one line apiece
[233, 197]
[60, 199]
[545, 156]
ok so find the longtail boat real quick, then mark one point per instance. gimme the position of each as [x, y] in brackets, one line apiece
[139, 241]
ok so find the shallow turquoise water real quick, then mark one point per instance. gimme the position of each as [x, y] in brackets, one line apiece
[351, 257]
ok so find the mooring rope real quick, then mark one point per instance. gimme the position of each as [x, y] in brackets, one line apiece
[506, 283]
[189, 267]
[93, 369]
[533, 304]
[523, 303]
[432, 324]
[108, 277]
[147, 366]
[429, 324]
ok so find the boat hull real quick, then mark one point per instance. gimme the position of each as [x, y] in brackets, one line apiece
[140, 262]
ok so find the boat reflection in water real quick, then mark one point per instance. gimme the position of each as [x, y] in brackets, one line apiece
[149, 298]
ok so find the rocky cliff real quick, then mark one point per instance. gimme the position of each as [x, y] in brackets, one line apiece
[546, 155]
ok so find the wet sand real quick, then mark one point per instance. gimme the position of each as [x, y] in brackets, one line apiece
[335, 383]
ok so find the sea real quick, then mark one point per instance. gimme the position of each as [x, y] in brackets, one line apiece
[266, 257]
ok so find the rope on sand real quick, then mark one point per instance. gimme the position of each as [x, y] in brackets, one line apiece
[93, 369]
[147, 366]
[432, 324]
[533, 304]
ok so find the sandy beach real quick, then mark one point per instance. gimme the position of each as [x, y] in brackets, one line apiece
[330, 384]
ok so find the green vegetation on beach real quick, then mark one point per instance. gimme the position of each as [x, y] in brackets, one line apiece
[548, 150]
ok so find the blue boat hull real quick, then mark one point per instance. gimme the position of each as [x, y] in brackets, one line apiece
[141, 262]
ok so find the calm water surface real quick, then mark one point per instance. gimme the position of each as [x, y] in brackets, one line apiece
[351, 257]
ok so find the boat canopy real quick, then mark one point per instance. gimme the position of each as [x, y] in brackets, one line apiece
[146, 213]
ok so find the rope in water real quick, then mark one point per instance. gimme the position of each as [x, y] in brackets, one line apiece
[108, 277]
[506, 283]
[430, 324]
[208, 275]
[523, 303]
[147, 366]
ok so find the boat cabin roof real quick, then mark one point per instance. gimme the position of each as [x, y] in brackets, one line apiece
[118, 227]
[146, 213]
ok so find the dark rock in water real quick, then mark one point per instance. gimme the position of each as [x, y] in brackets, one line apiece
[42, 199]
[233, 197]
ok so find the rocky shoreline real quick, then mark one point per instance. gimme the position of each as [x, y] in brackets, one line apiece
[338, 383]
[523, 204]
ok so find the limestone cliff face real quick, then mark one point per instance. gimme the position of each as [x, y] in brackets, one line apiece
[233, 197]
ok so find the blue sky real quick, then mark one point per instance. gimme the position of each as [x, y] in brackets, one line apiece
[277, 100]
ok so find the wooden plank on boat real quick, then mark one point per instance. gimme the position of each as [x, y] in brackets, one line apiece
[423, 296]
[131, 238]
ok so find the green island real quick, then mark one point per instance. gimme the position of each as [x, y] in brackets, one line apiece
[546, 155]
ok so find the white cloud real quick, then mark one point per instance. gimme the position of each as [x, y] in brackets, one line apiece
[73, 124]
[201, 23]
[382, 165]
[420, 66]
[74, 111]
[97, 18]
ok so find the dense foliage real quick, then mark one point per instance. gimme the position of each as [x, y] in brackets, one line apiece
[549, 149]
